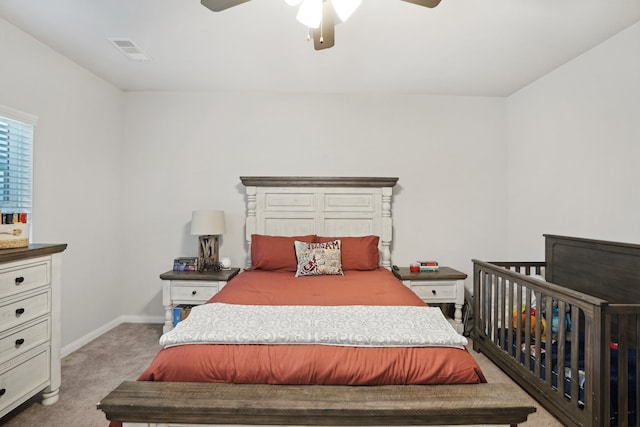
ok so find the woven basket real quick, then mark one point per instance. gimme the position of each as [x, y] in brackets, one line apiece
[14, 236]
[19, 243]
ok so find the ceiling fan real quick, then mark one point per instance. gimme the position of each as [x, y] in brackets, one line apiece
[318, 15]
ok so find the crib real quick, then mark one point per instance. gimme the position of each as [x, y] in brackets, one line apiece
[567, 329]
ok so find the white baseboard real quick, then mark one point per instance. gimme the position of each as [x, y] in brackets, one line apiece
[70, 348]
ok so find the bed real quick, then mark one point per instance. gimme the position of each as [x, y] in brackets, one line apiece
[319, 252]
[566, 329]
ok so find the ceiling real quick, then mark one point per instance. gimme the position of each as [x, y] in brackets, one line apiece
[461, 47]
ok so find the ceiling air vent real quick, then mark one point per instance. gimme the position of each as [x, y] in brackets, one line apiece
[129, 48]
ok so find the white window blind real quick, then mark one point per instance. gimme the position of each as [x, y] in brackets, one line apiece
[16, 161]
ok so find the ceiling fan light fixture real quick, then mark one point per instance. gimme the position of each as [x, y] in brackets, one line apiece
[319, 16]
[345, 8]
[310, 13]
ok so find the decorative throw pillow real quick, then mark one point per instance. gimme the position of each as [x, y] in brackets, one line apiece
[316, 259]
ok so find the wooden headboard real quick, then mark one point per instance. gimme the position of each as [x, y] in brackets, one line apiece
[607, 270]
[326, 206]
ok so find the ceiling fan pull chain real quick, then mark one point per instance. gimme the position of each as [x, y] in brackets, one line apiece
[321, 27]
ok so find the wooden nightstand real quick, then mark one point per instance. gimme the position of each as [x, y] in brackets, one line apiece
[437, 287]
[190, 287]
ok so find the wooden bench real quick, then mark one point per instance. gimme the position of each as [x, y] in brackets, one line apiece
[149, 402]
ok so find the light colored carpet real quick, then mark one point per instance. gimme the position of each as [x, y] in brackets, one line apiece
[89, 373]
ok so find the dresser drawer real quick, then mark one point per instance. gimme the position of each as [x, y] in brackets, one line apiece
[185, 292]
[435, 291]
[14, 312]
[21, 277]
[27, 376]
[22, 339]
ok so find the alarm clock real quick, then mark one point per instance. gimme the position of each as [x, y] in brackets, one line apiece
[226, 262]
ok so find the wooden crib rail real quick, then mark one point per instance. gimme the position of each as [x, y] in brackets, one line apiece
[596, 283]
[523, 267]
[622, 331]
[498, 291]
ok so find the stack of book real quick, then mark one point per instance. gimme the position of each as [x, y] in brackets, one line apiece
[185, 264]
[426, 266]
[180, 312]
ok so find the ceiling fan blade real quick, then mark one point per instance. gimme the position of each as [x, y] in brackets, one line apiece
[425, 3]
[324, 36]
[219, 5]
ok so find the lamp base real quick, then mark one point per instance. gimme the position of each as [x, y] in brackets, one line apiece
[206, 265]
[208, 254]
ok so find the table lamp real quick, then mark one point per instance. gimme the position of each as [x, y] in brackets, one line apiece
[208, 225]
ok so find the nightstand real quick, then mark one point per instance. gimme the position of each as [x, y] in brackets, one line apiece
[437, 287]
[190, 287]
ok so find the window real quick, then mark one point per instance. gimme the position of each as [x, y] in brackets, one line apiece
[16, 161]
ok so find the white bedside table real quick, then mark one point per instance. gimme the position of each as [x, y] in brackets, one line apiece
[437, 287]
[190, 287]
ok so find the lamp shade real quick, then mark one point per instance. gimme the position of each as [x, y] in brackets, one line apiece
[207, 223]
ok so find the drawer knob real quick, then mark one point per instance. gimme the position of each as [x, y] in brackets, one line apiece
[2, 391]
[19, 311]
[194, 292]
[19, 342]
[434, 292]
[19, 280]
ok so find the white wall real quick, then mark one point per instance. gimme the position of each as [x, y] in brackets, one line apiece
[574, 150]
[117, 175]
[186, 151]
[76, 173]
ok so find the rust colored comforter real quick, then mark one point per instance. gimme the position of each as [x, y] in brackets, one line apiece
[314, 364]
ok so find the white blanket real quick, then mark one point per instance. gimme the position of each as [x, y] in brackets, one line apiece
[356, 326]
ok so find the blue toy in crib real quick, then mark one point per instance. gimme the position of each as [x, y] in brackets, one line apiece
[555, 320]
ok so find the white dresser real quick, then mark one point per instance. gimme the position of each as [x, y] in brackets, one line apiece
[30, 280]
